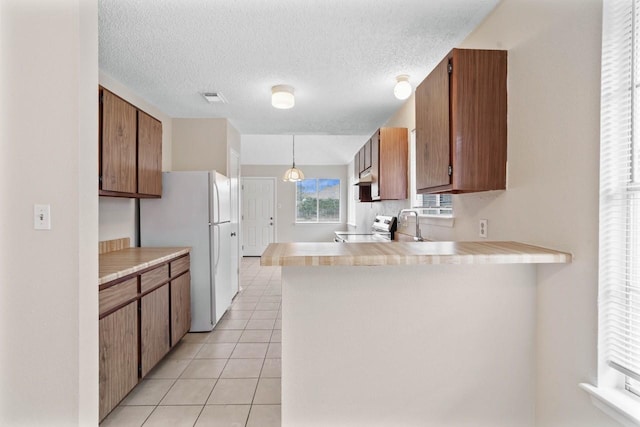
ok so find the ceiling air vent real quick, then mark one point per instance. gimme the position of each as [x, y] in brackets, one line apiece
[214, 97]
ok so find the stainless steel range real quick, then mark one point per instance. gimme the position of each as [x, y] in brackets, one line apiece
[382, 230]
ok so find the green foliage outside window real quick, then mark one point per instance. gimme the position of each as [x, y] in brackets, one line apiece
[318, 200]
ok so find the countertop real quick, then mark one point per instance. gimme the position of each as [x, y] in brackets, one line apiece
[408, 253]
[117, 264]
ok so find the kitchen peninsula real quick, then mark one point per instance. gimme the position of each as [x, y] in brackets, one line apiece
[408, 333]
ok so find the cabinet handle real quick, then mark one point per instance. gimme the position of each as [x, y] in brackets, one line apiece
[233, 234]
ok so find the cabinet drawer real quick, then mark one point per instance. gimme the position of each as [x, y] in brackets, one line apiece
[153, 278]
[118, 294]
[179, 265]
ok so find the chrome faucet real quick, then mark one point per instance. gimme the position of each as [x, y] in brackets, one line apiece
[418, 236]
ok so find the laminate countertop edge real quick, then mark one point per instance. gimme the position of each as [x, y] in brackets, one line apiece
[408, 253]
[117, 264]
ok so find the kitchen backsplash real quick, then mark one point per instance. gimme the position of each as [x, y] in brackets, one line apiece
[367, 212]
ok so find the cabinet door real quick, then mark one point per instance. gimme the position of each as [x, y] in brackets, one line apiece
[118, 363]
[149, 155]
[118, 145]
[356, 166]
[154, 327]
[362, 163]
[433, 149]
[180, 307]
[392, 168]
[479, 119]
[367, 155]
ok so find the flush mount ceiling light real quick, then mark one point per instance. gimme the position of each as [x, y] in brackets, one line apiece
[294, 174]
[282, 97]
[402, 89]
[214, 97]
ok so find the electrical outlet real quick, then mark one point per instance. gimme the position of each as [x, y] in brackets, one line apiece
[42, 217]
[483, 229]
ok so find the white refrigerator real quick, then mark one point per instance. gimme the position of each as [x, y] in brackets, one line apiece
[195, 211]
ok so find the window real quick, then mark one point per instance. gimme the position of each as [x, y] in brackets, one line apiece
[432, 204]
[318, 200]
[619, 276]
[435, 204]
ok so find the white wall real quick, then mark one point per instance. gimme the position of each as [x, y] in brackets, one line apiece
[233, 143]
[118, 215]
[552, 191]
[200, 144]
[408, 346]
[117, 219]
[286, 228]
[48, 154]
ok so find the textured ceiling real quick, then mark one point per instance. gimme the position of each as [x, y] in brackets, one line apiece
[310, 149]
[341, 56]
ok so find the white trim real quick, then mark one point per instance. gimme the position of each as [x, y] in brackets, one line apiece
[619, 405]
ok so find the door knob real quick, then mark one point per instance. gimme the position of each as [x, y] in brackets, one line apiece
[233, 234]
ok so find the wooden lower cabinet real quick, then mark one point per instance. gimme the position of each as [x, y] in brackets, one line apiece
[118, 352]
[154, 328]
[180, 307]
[143, 328]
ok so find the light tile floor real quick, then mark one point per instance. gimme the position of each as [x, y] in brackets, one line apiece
[229, 377]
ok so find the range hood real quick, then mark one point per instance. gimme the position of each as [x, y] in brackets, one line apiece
[365, 179]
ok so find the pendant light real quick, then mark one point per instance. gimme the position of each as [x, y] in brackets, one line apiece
[294, 174]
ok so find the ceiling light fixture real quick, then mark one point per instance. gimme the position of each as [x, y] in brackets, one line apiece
[282, 97]
[294, 174]
[403, 89]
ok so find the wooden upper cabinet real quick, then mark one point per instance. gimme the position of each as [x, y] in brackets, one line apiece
[117, 144]
[432, 129]
[367, 155]
[461, 124]
[149, 155]
[362, 162]
[130, 149]
[389, 152]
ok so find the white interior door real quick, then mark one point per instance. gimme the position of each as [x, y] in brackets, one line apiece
[234, 176]
[258, 214]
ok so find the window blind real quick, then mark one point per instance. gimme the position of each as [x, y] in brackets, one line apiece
[435, 204]
[619, 269]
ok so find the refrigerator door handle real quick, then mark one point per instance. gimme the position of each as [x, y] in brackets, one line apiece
[215, 268]
[217, 201]
[212, 307]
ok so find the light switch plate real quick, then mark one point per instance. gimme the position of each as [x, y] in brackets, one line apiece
[42, 217]
[483, 229]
